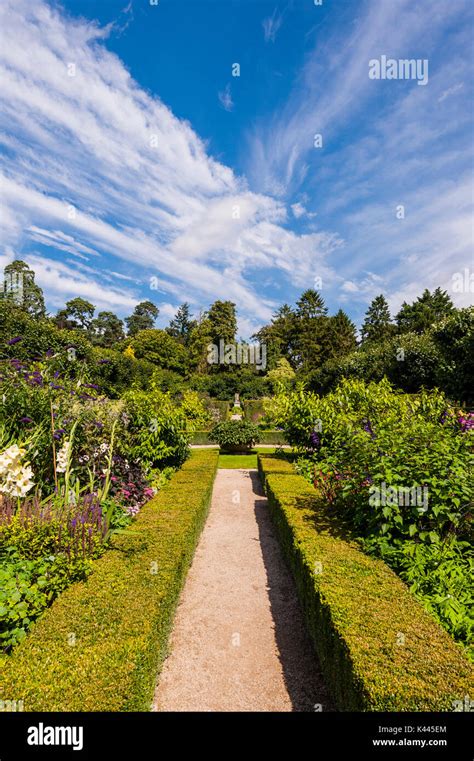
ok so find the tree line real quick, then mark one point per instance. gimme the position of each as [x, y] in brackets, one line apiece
[426, 343]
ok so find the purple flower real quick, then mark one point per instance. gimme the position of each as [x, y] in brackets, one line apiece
[15, 340]
[368, 428]
[315, 440]
[26, 420]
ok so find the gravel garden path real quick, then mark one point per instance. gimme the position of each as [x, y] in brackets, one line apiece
[239, 642]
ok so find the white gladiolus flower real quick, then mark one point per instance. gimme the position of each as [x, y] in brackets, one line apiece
[62, 458]
[17, 476]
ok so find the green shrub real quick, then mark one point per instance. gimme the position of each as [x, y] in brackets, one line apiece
[27, 587]
[115, 373]
[378, 648]
[121, 616]
[235, 435]
[156, 434]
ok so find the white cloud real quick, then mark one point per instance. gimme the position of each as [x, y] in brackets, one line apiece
[225, 97]
[450, 91]
[65, 283]
[298, 210]
[271, 25]
[96, 165]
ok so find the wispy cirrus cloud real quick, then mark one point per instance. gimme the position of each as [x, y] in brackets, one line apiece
[384, 144]
[225, 98]
[94, 165]
[271, 25]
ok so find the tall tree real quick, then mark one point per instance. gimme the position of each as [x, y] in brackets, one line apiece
[198, 343]
[77, 315]
[428, 309]
[181, 325]
[377, 324]
[311, 331]
[278, 336]
[341, 334]
[19, 286]
[223, 321]
[158, 347]
[106, 330]
[310, 305]
[143, 317]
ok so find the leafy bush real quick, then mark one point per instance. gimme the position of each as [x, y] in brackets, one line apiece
[194, 410]
[454, 338]
[27, 587]
[398, 469]
[156, 431]
[116, 372]
[234, 435]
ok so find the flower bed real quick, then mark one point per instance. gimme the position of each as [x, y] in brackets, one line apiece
[100, 645]
[397, 469]
[378, 648]
[75, 468]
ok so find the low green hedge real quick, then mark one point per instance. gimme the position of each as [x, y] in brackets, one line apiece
[378, 648]
[253, 409]
[101, 644]
[200, 437]
[266, 437]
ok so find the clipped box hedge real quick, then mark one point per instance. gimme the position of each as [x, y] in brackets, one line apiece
[266, 437]
[120, 618]
[379, 649]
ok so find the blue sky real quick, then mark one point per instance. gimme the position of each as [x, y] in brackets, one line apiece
[135, 165]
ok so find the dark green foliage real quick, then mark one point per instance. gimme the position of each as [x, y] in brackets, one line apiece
[378, 324]
[77, 315]
[454, 340]
[424, 312]
[341, 335]
[161, 349]
[223, 322]
[27, 587]
[116, 373]
[235, 435]
[39, 336]
[106, 330]
[181, 325]
[19, 288]
[143, 317]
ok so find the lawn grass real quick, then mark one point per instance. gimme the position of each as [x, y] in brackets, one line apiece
[243, 460]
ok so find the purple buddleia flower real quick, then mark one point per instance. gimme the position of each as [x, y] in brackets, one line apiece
[14, 341]
[368, 428]
[443, 417]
